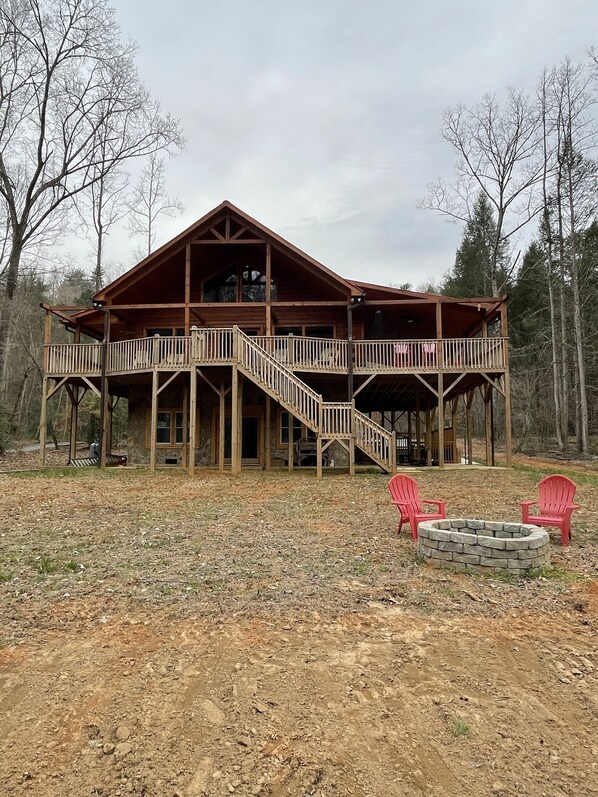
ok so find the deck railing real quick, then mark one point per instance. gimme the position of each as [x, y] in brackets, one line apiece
[207, 346]
[337, 418]
[73, 359]
[307, 354]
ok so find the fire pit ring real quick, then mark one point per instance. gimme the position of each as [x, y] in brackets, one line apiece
[483, 546]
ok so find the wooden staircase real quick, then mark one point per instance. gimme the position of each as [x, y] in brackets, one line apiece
[330, 421]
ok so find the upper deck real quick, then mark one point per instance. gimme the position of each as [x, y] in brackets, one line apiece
[208, 346]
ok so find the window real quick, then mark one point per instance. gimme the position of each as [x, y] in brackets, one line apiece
[241, 283]
[165, 332]
[169, 428]
[307, 331]
[284, 428]
[319, 332]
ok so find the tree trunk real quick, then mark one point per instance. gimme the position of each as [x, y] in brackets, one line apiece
[7, 308]
[583, 425]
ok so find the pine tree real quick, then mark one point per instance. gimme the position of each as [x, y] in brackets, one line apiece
[473, 272]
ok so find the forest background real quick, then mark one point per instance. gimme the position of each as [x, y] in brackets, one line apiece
[84, 147]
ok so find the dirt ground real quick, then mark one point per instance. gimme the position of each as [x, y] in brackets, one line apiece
[269, 634]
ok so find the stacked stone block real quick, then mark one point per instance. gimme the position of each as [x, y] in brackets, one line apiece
[483, 545]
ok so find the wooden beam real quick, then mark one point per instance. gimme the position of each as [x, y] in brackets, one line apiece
[494, 384]
[192, 420]
[453, 383]
[487, 424]
[228, 242]
[240, 423]
[428, 437]
[506, 388]
[169, 380]
[56, 387]
[187, 288]
[469, 398]
[221, 426]
[427, 384]
[268, 434]
[218, 235]
[104, 393]
[43, 422]
[239, 233]
[73, 391]
[268, 289]
[440, 421]
[367, 381]
[418, 431]
[154, 421]
[508, 427]
[91, 386]
[234, 442]
[319, 457]
[185, 452]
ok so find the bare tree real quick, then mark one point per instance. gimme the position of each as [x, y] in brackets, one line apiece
[576, 185]
[497, 152]
[72, 108]
[149, 201]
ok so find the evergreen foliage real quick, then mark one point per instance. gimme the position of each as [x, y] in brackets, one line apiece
[472, 273]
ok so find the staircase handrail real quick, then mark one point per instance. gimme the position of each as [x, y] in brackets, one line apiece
[290, 391]
[375, 440]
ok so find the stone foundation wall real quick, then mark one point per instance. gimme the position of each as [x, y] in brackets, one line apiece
[483, 545]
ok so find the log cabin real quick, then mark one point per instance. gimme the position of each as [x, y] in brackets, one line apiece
[234, 348]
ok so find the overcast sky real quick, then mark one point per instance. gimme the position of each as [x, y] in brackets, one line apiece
[322, 118]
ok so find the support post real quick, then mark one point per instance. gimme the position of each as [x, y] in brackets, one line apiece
[43, 417]
[187, 288]
[428, 437]
[268, 434]
[454, 407]
[268, 289]
[192, 420]
[154, 421]
[488, 424]
[319, 457]
[104, 395]
[154, 408]
[507, 388]
[221, 427]
[418, 432]
[350, 351]
[43, 421]
[468, 407]
[185, 451]
[74, 397]
[440, 420]
[240, 424]
[234, 419]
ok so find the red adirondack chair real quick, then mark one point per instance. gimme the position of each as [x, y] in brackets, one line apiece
[555, 507]
[405, 496]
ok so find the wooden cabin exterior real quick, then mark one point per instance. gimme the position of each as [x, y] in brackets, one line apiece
[235, 348]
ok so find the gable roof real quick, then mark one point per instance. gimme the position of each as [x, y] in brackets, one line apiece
[188, 235]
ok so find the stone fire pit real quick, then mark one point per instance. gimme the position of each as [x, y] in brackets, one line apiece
[483, 545]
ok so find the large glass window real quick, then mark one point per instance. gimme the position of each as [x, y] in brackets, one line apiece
[242, 283]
